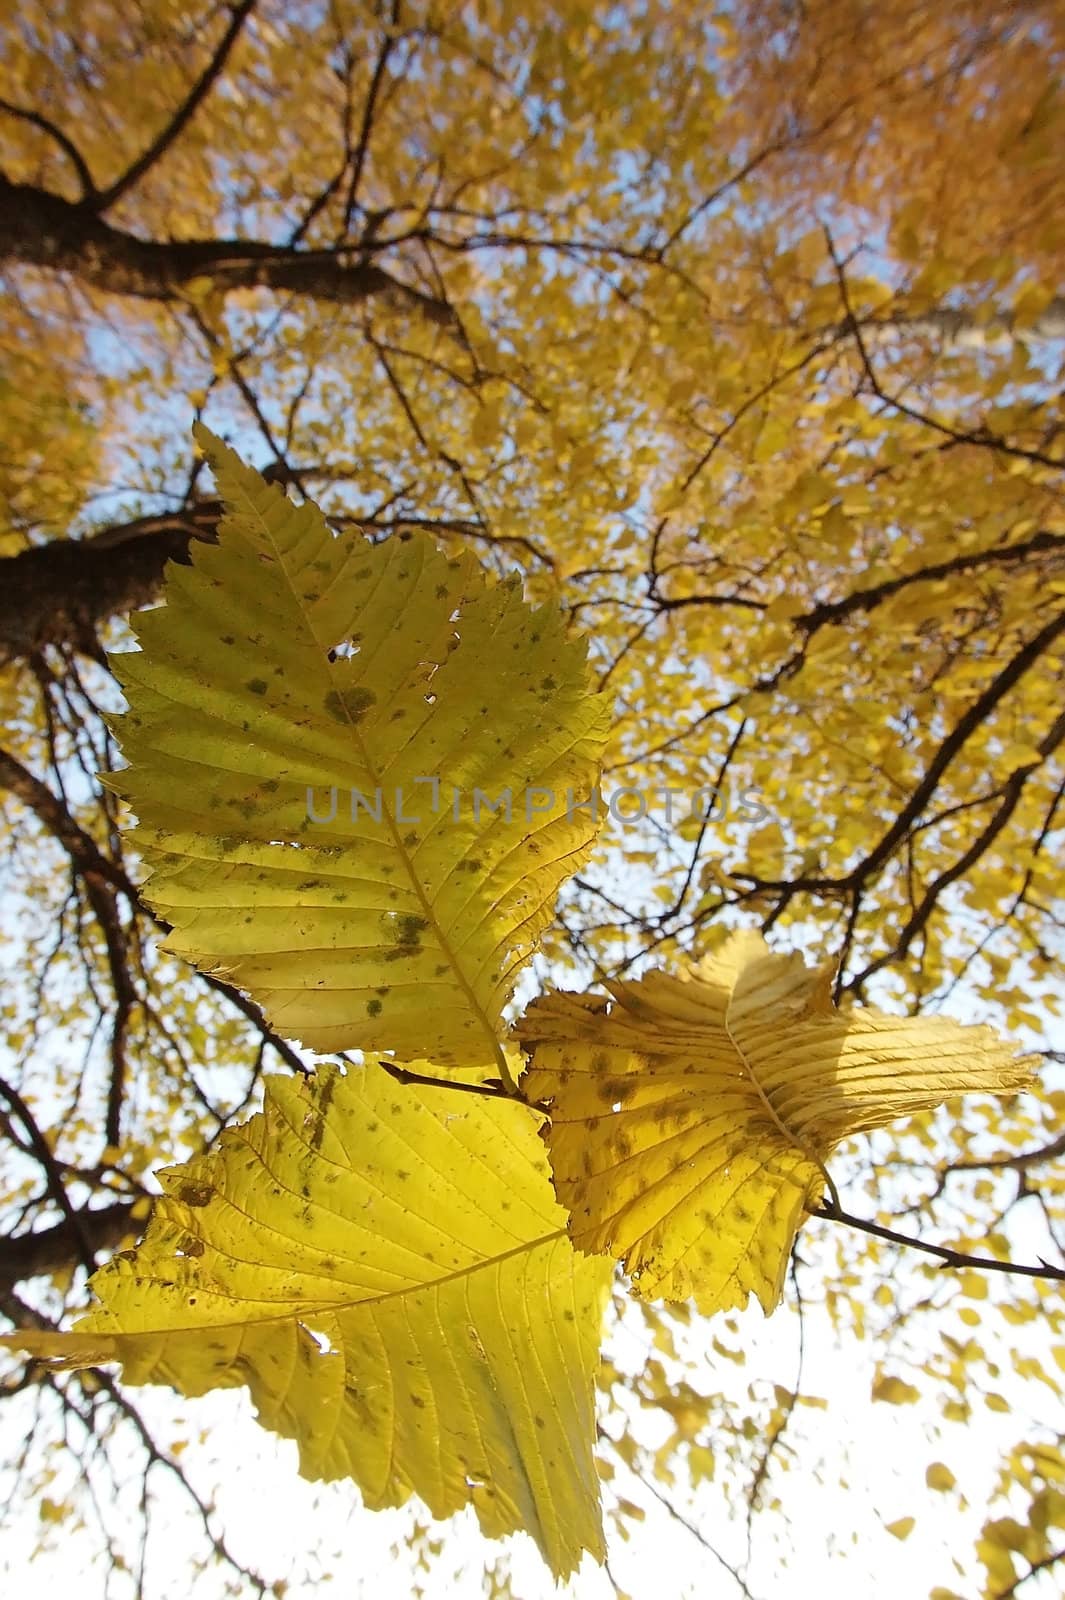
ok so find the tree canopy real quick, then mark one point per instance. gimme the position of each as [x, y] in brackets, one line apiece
[681, 392]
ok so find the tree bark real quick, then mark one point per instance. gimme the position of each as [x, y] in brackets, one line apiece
[59, 592]
[33, 1255]
[40, 229]
[962, 330]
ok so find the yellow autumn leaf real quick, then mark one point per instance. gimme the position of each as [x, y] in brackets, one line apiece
[691, 1116]
[901, 1528]
[1019, 755]
[783, 608]
[345, 834]
[484, 429]
[938, 1476]
[894, 1391]
[388, 1272]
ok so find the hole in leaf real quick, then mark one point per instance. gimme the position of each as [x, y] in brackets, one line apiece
[322, 1340]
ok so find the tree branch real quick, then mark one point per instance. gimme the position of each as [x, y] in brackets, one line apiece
[37, 1145]
[961, 328]
[68, 147]
[362, 146]
[1017, 1163]
[1012, 791]
[102, 876]
[831, 611]
[978, 712]
[949, 1258]
[58, 592]
[40, 229]
[34, 1255]
[981, 437]
[200, 89]
[1033, 1567]
[80, 846]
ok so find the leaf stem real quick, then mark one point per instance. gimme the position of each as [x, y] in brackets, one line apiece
[494, 1089]
[508, 1078]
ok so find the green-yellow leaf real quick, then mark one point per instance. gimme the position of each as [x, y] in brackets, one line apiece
[691, 1116]
[388, 1272]
[402, 922]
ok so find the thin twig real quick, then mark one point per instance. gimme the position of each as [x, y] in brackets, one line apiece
[162, 142]
[949, 1258]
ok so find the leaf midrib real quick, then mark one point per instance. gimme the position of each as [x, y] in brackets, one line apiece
[802, 1145]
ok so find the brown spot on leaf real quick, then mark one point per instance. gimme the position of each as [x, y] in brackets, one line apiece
[351, 706]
